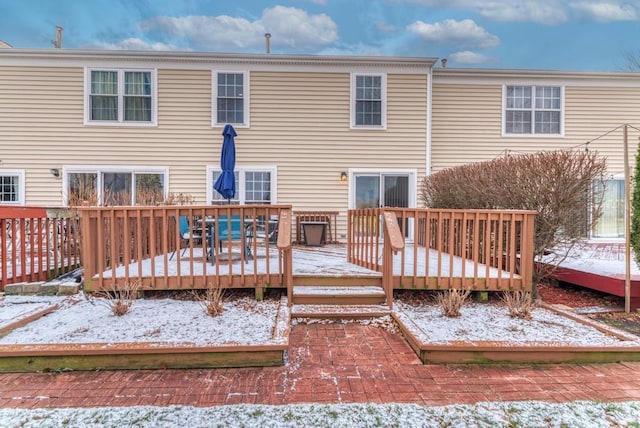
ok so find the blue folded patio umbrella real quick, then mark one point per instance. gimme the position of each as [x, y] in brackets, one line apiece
[226, 182]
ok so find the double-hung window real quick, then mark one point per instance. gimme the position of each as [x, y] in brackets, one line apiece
[112, 186]
[254, 185]
[368, 101]
[230, 98]
[12, 187]
[533, 110]
[121, 97]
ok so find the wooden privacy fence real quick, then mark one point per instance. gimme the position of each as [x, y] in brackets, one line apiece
[452, 249]
[37, 243]
[184, 247]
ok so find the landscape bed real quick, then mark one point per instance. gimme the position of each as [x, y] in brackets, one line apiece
[81, 333]
[485, 333]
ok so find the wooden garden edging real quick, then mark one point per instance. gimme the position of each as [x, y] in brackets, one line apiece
[146, 355]
[500, 352]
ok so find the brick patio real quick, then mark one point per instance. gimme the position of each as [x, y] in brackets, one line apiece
[328, 363]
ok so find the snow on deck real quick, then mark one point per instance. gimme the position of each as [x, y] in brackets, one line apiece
[600, 258]
[330, 260]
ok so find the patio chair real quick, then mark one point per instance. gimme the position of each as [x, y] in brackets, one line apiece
[185, 234]
[188, 233]
[267, 230]
[236, 232]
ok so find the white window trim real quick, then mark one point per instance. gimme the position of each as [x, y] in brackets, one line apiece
[241, 169]
[532, 134]
[411, 172]
[21, 186]
[120, 121]
[245, 98]
[99, 169]
[383, 107]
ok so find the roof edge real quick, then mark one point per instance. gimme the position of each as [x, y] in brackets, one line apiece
[212, 57]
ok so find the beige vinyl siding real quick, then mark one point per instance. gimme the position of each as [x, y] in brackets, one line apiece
[467, 123]
[299, 123]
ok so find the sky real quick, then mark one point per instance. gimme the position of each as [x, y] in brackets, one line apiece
[589, 35]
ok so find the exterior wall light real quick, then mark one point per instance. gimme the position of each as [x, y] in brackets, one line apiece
[343, 176]
[55, 172]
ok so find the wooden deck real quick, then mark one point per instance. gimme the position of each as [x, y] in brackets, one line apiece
[448, 249]
[600, 266]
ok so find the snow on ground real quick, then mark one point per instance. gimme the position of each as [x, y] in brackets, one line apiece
[23, 306]
[486, 414]
[244, 321]
[482, 322]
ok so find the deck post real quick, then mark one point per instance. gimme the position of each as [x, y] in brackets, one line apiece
[393, 242]
[284, 245]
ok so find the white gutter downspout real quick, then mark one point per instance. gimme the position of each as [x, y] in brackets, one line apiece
[429, 113]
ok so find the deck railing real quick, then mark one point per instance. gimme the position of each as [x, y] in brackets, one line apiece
[146, 245]
[459, 249]
[37, 243]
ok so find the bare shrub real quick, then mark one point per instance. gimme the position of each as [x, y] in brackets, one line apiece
[179, 199]
[120, 300]
[451, 301]
[559, 185]
[211, 301]
[520, 303]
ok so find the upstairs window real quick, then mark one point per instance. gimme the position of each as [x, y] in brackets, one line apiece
[121, 97]
[533, 110]
[230, 99]
[368, 107]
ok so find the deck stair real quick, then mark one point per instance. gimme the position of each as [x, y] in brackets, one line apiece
[342, 302]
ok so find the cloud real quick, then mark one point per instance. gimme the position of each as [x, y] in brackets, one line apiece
[134, 44]
[384, 27]
[548, 12]
[468, 57]
[290, 27]
[465, 33]
[605, 12]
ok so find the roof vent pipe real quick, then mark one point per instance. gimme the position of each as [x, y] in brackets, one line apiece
[267, 37]
[57, 43]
